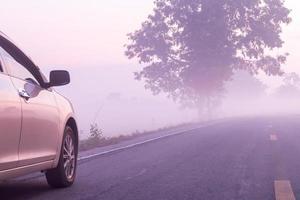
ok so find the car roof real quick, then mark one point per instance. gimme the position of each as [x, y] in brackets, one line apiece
[5, 36]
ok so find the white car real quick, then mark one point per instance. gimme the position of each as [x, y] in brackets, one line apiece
[38, 130]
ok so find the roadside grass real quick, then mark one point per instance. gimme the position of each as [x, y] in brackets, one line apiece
[100, 141]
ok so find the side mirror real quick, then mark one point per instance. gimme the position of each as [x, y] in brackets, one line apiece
[59, 78]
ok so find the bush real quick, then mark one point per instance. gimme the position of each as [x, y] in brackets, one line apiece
[95, 132]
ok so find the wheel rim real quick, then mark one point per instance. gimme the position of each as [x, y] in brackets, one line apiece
[69, 157]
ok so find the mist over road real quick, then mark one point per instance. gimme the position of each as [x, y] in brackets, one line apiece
[251, 158]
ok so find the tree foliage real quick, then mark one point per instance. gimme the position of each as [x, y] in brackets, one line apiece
[189, 48]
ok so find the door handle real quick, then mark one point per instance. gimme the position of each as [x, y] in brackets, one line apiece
[24, 94]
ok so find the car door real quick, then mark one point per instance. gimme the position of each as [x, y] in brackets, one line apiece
[40, 115]
[10, 121]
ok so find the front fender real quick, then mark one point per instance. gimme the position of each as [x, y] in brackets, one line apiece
[66, 114]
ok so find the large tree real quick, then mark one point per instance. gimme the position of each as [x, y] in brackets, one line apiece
[189, 48]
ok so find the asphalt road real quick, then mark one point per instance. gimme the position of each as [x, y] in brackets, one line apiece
[237, 159]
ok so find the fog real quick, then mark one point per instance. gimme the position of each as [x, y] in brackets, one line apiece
[249, 96]
[110, 97]
[88, 40]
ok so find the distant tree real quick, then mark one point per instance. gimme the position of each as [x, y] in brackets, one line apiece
[244, 86]
[189, 48]
[287, 92]
[290, 89]
[291, 79]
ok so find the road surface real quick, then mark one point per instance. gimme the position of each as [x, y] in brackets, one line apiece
[249, 158]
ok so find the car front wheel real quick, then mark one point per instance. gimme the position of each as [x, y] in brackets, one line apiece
[64, 174]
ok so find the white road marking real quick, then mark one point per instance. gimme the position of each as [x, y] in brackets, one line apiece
[139, 143]
[139, 174]
[283, 190]
[273, 137]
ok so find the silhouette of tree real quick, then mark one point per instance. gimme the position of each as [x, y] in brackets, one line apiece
[290, 89]
[189, 48]
[245, 87]
[245, 94]
[291, 79]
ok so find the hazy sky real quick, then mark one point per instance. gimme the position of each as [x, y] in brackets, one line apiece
[88, 35]
[72, 32]
[77, 32]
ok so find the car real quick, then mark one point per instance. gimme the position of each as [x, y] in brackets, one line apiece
[38, 128]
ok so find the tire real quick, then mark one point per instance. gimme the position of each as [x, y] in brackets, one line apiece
[64, 174]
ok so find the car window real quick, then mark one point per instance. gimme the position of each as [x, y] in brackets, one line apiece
[15, 69]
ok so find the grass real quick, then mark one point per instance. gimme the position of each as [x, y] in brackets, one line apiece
[94, 142]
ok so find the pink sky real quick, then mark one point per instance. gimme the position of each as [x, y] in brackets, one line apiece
[72, 32]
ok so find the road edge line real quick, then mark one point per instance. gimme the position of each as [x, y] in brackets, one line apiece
[138, 143]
